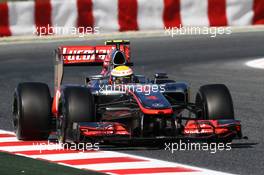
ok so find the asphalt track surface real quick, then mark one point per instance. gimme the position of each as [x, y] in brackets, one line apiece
[196, 59]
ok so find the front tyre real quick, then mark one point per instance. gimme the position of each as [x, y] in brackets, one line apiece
[215, 102]
[77, 105]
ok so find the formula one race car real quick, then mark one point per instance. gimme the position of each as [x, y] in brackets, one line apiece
[119, 105]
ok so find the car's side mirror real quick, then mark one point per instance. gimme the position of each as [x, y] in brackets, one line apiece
[160, 75]
[160, 78]
[87, 80]
[94, 77]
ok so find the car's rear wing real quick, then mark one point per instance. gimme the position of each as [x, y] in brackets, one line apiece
[87, 56]
[83, 55]
[91, 55]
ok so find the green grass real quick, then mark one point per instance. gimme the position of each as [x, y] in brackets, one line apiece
[18, 165]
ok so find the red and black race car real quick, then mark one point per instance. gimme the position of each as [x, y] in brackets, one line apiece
[133, 109]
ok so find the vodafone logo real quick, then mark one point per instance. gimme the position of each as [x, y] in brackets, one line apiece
[74, 55]
[83, 55]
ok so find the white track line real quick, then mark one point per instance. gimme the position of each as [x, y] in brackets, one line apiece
[127, 165]
[6, 132]
[183, 173]
[8, 139]
[258, 63]
[29, 148]
[80, 155]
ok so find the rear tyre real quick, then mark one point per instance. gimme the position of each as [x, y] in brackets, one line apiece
[77, 106]
[32, 111]
[215, 101]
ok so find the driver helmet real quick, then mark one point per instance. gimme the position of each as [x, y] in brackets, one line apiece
[121, 75]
